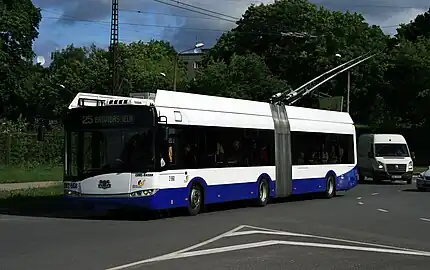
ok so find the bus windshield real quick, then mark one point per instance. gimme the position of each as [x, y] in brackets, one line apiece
[391, 150]
[94, 152]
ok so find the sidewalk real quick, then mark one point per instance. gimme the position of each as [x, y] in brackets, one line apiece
[16, 186]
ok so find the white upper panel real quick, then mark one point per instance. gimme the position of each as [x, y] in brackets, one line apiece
[91, 100]
[193, 109]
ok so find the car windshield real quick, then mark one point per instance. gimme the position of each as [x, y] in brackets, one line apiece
[391, 150]
[107, 151]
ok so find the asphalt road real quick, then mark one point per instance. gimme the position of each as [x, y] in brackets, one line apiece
[370, 227]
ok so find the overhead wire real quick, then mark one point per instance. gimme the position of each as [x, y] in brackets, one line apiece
[200, 12]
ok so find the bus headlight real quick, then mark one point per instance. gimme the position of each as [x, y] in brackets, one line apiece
[72, 193]
[143, 193]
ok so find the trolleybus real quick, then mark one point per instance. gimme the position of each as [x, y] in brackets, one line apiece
[183, 150]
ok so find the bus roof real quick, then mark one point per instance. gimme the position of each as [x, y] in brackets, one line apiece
[195, 109]
[181, 100]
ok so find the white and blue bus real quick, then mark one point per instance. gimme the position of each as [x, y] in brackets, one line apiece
[188, 150]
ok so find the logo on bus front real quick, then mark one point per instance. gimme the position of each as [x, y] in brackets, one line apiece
[104, 184]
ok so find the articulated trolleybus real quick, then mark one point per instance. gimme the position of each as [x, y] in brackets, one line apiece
[188, 150]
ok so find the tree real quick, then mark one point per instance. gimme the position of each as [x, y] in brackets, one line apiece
[265, 30]
[420, 27]
[143, 67]
[408, 77]
[19, 22]
[146, 67]
[245, 77]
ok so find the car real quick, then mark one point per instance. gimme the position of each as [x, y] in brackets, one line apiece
[423, 180]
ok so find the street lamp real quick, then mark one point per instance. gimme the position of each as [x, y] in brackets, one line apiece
[348, 86]
[196, 46]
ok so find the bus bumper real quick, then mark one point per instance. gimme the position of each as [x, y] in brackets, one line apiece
[163, 199]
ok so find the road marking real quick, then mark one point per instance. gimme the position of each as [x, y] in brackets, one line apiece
[278, 242]
[294, 243]
[164, 257]
[186, 252]
[361, 203]
[376, 193]
[382, 210]
[282, 233]
[425, 219]
[358, 198]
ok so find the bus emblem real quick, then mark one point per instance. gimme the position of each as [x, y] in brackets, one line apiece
[104, 184]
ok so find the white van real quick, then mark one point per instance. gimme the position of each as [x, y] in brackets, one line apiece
[384, 156]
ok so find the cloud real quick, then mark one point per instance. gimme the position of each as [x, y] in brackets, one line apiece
[186, 27]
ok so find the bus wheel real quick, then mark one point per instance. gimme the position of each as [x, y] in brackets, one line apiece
[331, 187]
[263, 192]
[195, 200]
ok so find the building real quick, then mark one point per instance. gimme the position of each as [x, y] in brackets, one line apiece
[192, 61]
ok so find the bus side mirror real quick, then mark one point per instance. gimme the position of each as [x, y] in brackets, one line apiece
[370, 155]
[40, 133]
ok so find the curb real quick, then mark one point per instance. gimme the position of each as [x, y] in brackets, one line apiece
[28, 185]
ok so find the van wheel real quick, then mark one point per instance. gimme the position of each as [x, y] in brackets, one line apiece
[330, 190]
[263, 193]
[195, 200]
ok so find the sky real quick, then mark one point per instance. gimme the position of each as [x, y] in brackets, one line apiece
[83, 22]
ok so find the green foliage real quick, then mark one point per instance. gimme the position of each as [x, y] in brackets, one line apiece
[420, 27]
[265, 30]
[245, 77]
[408, 90]
[19, 146]
[19, 21]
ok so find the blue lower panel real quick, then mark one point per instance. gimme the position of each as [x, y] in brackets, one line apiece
[311, 185]
[348, 180]
[178, 197]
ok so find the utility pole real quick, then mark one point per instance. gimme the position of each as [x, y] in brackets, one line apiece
[113, 68]
[348, 91]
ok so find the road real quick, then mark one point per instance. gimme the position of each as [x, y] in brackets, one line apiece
[370, 227]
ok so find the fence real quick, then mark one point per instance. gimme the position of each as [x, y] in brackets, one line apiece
[24, 150]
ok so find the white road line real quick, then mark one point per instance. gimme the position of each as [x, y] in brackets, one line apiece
[183, 253]
[318, 237]
[294, 243]
[376, 193]
[358, 198]
[361, 203]
[382, 210]
[167, 256]
[278, 242]
[425, 219]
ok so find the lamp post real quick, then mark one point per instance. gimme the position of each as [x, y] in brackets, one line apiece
[196, 46]
[348, 86]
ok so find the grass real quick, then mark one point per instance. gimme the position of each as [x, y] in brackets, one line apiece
[9, 174]
[44, 192]
[31, 201]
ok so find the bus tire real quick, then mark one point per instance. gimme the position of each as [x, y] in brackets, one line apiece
[195, 199]
[263, 193]
[330, 190]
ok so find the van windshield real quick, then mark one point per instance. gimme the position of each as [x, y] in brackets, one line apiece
[391, 150]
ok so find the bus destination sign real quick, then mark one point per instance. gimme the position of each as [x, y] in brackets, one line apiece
[108, 120]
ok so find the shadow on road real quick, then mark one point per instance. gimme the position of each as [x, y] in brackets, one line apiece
[57, 207]
[412, 190]
[383, 183]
